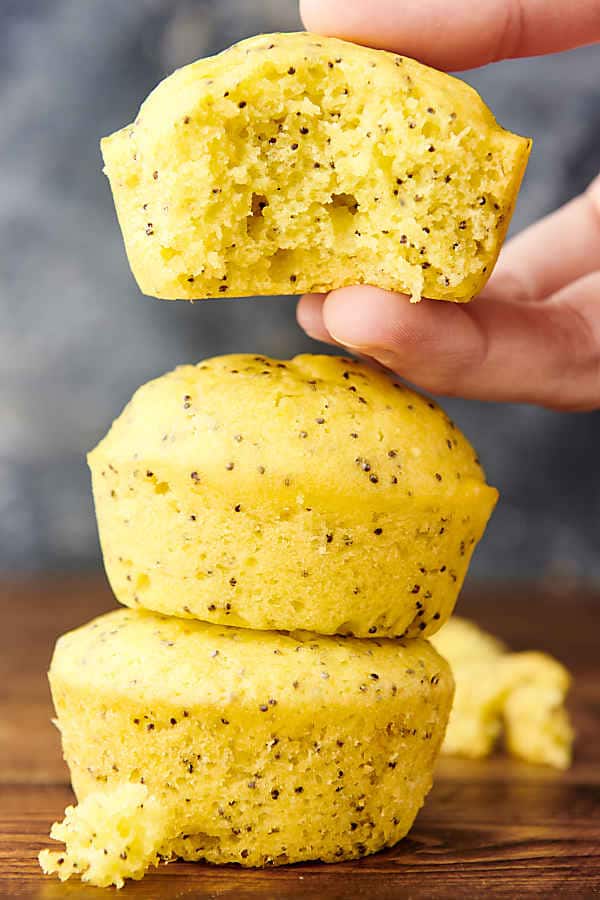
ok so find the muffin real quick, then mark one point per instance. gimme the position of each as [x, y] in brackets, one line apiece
[294, 163]
[315, 493]
[246, 747]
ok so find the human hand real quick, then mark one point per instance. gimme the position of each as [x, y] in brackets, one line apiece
[533, 335]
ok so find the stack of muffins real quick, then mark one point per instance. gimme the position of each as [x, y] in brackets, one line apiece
[285, 535]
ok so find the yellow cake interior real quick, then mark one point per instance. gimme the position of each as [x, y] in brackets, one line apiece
[294, 163]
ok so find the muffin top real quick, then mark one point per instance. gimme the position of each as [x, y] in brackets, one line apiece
[316, 426]
[196, 663]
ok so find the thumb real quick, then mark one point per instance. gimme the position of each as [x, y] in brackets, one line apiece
[547, 353]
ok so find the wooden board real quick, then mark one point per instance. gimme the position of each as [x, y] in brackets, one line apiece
[489, 829]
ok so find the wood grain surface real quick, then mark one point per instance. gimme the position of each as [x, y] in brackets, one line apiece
[495, 828]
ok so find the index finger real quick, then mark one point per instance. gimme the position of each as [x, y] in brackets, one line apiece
[460, 35]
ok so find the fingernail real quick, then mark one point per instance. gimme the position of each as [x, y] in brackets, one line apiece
[381, 354]
[345, 332]
[362, 319]
[312, 333]
[338, 338]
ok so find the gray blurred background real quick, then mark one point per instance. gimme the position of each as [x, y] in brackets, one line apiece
[77, 338]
